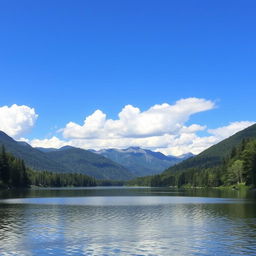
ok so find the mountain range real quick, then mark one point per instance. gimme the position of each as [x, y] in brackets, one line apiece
[65, 160]
[125, 164]
[108, 164]
[141, 162]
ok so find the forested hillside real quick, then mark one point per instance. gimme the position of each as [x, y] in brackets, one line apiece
[65, 160]
[238, 168]
[86, 162]
[230, 162]
[214, 155]
[14, 174]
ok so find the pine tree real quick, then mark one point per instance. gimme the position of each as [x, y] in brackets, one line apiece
[4, 167]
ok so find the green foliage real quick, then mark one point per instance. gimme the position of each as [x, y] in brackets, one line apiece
[248, 156]
[215, 155]
[65, 160]
[51, 179]
[235, 172]
[14, 174]
[5, 166]
[238, 168]
[86, 162]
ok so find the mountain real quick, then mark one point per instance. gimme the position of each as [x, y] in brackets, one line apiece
[32, 157]
[230, 162]
[65, 160]
[216, 153]
[43, 149]
[185, 156]
[140, 162]
[50, 149]
[84, 161]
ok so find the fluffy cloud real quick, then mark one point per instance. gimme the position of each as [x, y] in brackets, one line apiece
[191, 142]
[170, 144]
[53, 142]
[134, 123]
[17, 120]
[232, 128]
[161, 128]
[156, 127]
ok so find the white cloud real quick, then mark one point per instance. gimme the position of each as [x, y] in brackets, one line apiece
[17, 120]
[191, 142]
[232, 128]
[134, 123]
[161, 128]
[53, 142]
[192, 128]
[184, 141]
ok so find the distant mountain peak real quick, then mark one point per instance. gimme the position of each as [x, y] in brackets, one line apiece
[186, 155]
[134, 148]
[66, 147]
[140, 161]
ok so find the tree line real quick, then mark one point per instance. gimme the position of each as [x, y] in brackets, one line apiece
[15, 174]
[238, 168]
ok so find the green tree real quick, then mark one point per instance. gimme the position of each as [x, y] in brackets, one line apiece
[249, 158]
[235, 172]
[4, 167]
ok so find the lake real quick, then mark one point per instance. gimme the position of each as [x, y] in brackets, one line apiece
[127, 221]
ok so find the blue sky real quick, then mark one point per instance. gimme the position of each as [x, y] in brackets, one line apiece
[67, 59]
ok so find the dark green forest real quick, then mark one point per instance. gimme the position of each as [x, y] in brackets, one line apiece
[14, 174]
[65, 160]
[237, 168]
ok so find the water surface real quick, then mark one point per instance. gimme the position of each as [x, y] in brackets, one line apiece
[127, 221]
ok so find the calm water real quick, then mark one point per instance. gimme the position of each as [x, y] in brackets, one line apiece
[127, 221]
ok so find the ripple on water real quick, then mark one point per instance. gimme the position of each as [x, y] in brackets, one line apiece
[119, 200]
[143, 225]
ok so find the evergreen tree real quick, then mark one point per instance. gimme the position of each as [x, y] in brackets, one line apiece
[4, 167]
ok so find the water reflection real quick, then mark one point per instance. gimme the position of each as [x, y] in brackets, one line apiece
[131, 224]
[126, 191]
